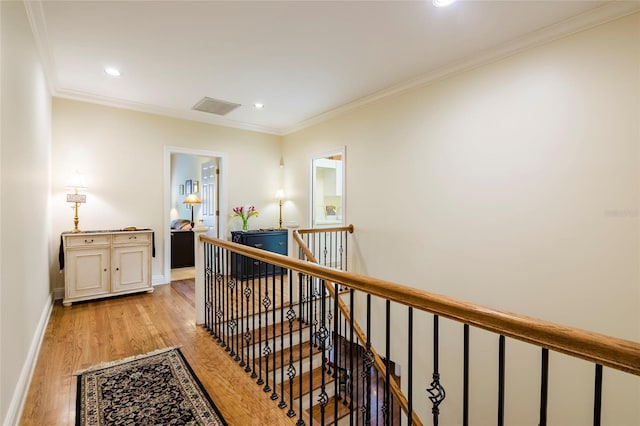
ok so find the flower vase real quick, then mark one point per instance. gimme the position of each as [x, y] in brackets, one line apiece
[245, 224]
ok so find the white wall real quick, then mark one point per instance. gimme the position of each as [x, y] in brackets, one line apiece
[25, 155]
[121, 154]
[514, 185]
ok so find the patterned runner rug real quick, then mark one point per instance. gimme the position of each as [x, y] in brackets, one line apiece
[158, 388]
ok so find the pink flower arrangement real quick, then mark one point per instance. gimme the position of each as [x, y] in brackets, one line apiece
[244, 213]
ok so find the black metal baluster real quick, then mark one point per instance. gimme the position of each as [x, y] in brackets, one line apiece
[241, 315]
[435, 389]
[274, 395]
[323, 334]
[253, 326]
[410, 367]
[266, 302]
[367, 363]
[231, 284]
[260, 380]
[234, 324]
[226, 310]
[248, 335]
[544, 385]
[336, 357]
[291, 370]
[351, 346]
[465, 374]
[597, 399]
[501, 350]
[300, 422]
[387, 364]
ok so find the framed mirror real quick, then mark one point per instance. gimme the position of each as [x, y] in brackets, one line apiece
[328, 189]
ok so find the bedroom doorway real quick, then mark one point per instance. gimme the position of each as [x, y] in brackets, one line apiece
[198, 173]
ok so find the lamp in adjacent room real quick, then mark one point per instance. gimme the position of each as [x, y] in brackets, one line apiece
[280, 198]
[191, 201]
[76, 182]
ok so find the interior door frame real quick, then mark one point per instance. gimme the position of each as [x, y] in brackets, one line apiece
[222, 196]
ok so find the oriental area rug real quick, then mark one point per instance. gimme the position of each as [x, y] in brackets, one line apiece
[158, 388]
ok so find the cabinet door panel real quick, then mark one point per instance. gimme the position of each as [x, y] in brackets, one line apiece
[88, 272]
[130, 268]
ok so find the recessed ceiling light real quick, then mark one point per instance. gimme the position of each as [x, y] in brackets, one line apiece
[113, 72]
[442, 3]
[258, 105]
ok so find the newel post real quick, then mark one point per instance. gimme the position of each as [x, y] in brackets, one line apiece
[198, 251]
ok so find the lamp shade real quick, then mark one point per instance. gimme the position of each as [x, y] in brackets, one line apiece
[280, 194]
[76, 181]
[192, 199]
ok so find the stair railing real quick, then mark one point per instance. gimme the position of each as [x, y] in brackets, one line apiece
[222, 317]
[330, 244]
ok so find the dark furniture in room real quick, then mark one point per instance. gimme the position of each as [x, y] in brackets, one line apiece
[182, 249]
[270, 240]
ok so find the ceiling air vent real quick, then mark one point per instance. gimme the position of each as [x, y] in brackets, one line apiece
[214, 106]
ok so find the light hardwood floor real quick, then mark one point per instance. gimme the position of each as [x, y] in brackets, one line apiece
[90, 333]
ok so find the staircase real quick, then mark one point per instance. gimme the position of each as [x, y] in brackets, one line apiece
[266, 343]
[289, 331]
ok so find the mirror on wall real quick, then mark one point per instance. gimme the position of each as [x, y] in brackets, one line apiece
[328, 189]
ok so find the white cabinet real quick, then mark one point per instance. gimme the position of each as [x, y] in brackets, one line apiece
[102, 264]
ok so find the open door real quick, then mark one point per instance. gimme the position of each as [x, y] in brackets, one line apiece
[209, 175]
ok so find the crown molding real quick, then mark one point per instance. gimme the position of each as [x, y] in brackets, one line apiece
[35, 15]
[608, 12]
[190, 115]
[600, 15]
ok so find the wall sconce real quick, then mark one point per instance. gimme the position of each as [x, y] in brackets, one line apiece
[76, 182]
[191, 201]
[281, 162]
[280, 198]
[181, 189]
[196, 186]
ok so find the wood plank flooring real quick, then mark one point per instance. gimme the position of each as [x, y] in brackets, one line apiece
[90, 333]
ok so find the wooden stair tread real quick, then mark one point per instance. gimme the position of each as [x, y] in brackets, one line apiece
[316, 374]
[329, 411]
[274, 358]
[266, 332]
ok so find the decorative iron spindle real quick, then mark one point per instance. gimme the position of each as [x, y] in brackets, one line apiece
[301, 281]
[387, 365]
[274, 395]
[436, 391]
[253, 326]
[323, 335]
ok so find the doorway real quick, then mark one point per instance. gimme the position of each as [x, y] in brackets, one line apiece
[176, 185]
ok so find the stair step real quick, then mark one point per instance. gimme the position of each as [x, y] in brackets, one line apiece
[266, 332]
[275, 358]
[329, 411]
[316, 375]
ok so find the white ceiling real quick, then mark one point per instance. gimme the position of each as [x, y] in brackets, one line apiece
[305, 60]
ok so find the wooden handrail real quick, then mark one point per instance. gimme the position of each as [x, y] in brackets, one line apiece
[321, 230]
[620, 354]
[377, 360]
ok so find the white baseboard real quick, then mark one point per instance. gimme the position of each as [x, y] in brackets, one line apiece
[24, 381]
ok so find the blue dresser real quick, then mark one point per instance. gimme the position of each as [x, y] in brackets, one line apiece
[271, 240]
